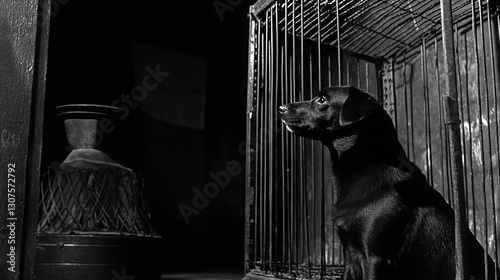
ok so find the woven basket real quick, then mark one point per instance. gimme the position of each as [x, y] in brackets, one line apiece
[107, 199]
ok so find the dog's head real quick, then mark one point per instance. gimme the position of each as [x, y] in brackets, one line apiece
[328, 114]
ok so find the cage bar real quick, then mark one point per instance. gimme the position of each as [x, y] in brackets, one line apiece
[452, 119]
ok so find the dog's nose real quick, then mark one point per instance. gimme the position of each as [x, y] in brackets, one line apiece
[283, 109]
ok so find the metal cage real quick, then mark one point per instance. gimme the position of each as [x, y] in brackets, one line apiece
[410, 54]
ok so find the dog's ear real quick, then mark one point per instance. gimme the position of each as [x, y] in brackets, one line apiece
[358, 105]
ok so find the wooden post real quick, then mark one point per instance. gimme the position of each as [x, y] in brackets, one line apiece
[452, 120]
[35, 142]
[21, 108]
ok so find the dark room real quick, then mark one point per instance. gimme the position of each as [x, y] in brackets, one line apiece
[249, 139]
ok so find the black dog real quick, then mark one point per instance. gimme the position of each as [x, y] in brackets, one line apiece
[392, 223]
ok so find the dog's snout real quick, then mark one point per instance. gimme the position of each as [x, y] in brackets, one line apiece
[282, 109]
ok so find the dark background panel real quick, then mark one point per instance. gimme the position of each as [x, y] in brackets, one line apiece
[91, 60]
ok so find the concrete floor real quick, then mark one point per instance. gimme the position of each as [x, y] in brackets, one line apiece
[203, 276]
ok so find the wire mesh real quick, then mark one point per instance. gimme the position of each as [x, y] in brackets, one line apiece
[374, 28]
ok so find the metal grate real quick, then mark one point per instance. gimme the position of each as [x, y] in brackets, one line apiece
[380, 29]
[105, 200]
[392, 49]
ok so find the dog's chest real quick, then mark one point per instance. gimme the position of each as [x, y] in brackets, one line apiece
[369, 217]
[351, 219]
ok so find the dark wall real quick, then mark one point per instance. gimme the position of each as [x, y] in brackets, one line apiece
[90, 61]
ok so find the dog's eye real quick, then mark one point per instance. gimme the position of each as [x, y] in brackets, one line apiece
[321, 100]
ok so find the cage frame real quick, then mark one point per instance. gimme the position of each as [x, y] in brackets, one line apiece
[384, 67]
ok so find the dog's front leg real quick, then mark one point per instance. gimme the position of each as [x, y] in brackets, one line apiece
[353, 256]
[377, 268]
[352, 267]
[352, 271]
